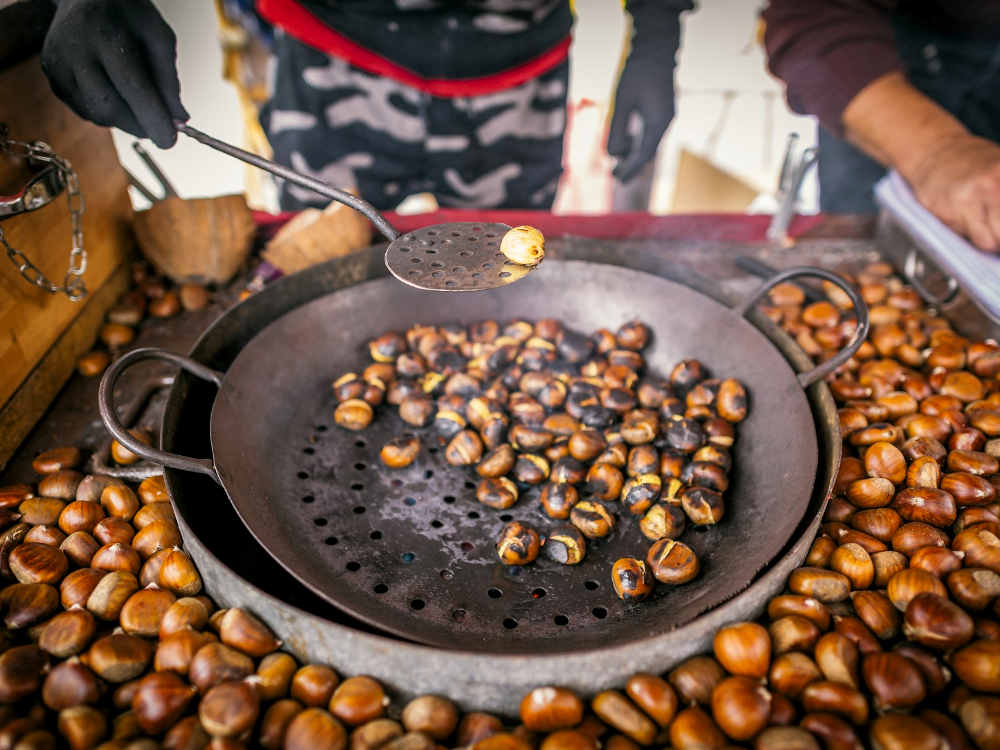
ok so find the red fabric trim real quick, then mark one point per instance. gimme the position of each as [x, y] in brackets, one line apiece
[304, 26]
[715, 227]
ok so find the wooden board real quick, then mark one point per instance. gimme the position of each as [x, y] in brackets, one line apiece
[32, 320]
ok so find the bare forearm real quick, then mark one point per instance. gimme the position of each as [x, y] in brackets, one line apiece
[954, 173]
[895, 124]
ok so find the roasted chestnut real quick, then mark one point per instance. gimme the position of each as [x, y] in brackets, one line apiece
[518, 544]
[631, 579]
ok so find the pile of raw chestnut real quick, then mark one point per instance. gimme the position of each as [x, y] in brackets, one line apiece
[151, 296]
[888, 637]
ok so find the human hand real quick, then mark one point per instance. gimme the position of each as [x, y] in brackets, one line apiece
[114, 63]
[959, 182]
[644, 107]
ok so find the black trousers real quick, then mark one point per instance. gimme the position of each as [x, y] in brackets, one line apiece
[960, 74]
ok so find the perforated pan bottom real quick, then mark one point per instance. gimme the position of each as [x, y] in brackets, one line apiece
[431, 574]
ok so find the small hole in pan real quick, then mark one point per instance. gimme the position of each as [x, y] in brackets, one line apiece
[449, 499]
[404, 249]
[436, 524]
[417, 604]
[375, 535]
[408, 557]
[506, 517]
[465, 253]
[437, 264]
[447, 575]
[473, 514]
[430, 250]
[450, 283]
[353, 566]
[320, 521]
[591, 585]
[308, 499]
[487, 265]
[357, 486]
[494, 593]
[302, 475]
[470, 485]
[458, 615]
[428, 474]
[538, 593]
[561, 620]
[360, 443]
[309, 451]
[416, 260]
[510, 623]
[330, 540]
[437, 274]
[321, 428]
[467, 546]
[380, 588]
[409, 501]
[599, 612]
[504, 274]
[360, 466]
[414, 273]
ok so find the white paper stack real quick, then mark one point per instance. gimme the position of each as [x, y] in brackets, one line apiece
[978, 273]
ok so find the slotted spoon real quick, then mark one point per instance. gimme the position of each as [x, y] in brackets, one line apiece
[455, 257]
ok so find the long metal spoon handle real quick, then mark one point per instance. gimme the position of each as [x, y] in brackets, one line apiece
[310, 183]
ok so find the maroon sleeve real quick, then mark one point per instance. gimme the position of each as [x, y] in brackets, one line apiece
[826, 51]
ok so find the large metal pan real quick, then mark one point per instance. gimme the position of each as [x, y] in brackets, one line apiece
[407, 551]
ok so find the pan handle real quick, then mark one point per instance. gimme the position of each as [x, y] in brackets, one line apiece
[105, 402]
[819, 372]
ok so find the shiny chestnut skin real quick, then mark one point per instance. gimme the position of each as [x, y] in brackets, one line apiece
[518, 544]
[632, 579]
[400, 451]
[499, 493]
[672, 562]
[565, 545]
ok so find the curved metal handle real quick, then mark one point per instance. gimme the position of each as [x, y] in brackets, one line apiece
[106, 405]
[913, 270]
[806, 379]
[310, 183]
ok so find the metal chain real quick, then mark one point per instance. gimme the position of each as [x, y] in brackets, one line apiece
[73, 285]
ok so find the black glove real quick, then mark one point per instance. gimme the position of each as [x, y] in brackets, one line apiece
[113, 62]
[644, 101]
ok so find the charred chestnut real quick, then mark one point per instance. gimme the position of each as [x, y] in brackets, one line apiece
[558, 499]
[663, 521]
[631, 579]
[354, 414]
[592, 518]
[672, 562]
[639, 493]
[464, 449]
[518, 544]
[400, 451]
[498, 492]
[565, 545]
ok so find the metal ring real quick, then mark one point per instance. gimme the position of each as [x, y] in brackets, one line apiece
[913, 269]
[819, 372]
[106, 406]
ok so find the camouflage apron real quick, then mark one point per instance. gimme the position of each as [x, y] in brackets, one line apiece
[350, 128]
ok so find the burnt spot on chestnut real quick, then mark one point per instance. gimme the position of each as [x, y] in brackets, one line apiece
[518, 544]
[631, 579]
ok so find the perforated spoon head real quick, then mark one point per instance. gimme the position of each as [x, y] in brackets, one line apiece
[456, 257]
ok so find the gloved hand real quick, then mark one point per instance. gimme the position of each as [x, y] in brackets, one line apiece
[644, 101]
[114, 63]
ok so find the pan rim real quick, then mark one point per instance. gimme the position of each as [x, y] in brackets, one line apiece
[513, 647]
